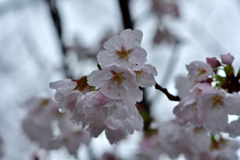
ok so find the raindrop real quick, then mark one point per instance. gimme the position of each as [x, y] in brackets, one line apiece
[60, 110]
[59, 88]
[132, 34]
[137, 42]
[126, 87]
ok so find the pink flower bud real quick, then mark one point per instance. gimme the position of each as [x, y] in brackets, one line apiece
[227, 59]
[213, 62]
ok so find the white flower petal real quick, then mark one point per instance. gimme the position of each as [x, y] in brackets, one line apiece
[98, 78]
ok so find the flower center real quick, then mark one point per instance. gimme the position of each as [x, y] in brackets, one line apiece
[217, 100]
[139, 75]
[194, 106]
[117, 78]
[123, 53]
[201, 71]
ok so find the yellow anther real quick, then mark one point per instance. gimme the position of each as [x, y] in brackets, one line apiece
[194, 106]
[123, 53]
[217, 100]
[201, 71]
[117, 78]
[139, 74]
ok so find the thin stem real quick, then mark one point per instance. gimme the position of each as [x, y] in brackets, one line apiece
[165, 91]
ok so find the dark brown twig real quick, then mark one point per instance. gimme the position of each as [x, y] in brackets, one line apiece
[127, 20]
[165, 91]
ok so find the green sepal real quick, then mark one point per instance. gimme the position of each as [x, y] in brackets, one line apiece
[219, 80]
[99, 67]
[229, 70]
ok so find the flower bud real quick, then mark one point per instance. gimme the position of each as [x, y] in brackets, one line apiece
[227, 59]
[213, 62]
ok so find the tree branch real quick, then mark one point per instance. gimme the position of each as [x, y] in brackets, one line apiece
[55, 16]
[165, 91]
[127, 20]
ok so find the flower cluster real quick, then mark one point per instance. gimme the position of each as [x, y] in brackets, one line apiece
[42, 122]
[174, 138]
[208, 99]
[105, 100]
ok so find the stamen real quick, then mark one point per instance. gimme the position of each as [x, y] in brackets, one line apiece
[217, 100]
[201, 71]
[123, 53]
[139, 74]
[118, 78]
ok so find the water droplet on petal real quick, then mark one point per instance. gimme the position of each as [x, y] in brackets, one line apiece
[126, 87]
[59, 88]
[137, 42]
[60, 110]
[105, 45]
[132, 34]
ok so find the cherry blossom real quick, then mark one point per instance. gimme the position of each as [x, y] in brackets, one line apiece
[187, 109]
[105, 99]
[183, 85]
[213, 109]
[71, 135]
[117, 118]
[199, 71]
[118, 128]
[233, 128]
[213, 62]
[116, 83]
[175, 138]
[38, 123]
[145, 75]
[42, 122]
[227, 59]
[224, 149]
[149, 148]
[64, 89]
[123, 50]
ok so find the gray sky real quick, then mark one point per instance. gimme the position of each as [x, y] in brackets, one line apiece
[30, 56]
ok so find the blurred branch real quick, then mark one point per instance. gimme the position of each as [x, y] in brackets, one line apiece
[172, 62]
[165, 91]
[167, 73]
[55, 16]
[127, 20]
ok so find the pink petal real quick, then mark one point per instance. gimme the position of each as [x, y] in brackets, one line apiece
[227, 59]
[131, 38]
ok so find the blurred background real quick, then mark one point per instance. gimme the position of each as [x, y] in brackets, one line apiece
[47, 40]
